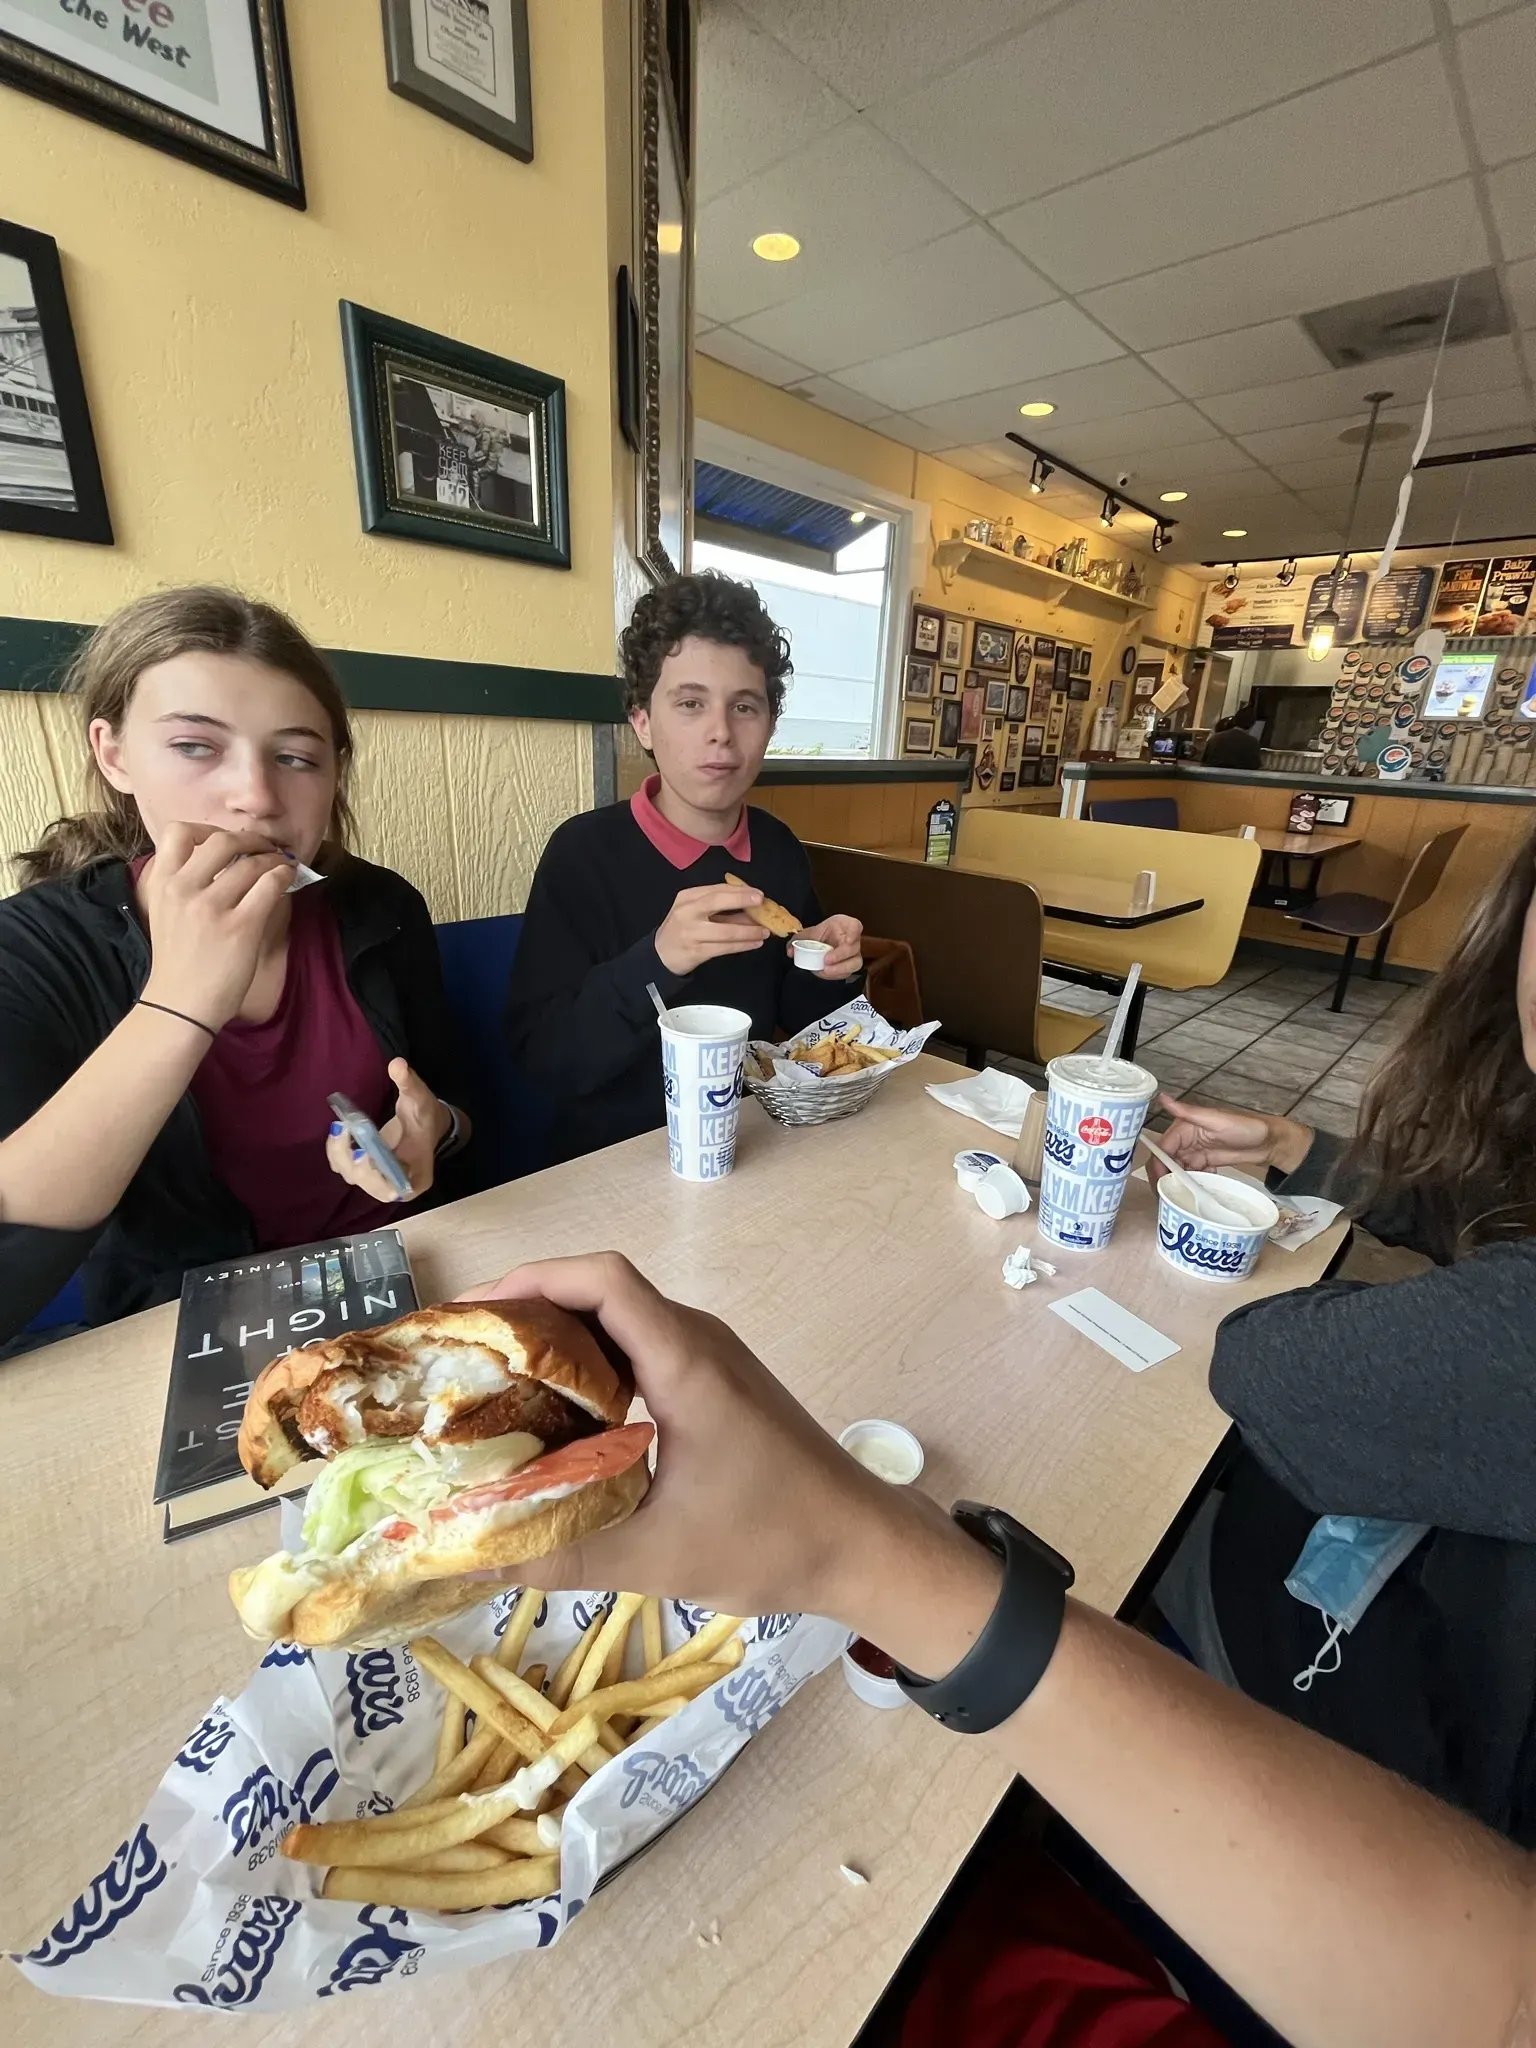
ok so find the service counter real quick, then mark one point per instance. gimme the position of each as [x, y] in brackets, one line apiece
[1391, 820]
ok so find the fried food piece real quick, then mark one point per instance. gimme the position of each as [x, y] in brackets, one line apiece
[773, 917]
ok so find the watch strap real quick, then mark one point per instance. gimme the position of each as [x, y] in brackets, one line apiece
[1009, 1658]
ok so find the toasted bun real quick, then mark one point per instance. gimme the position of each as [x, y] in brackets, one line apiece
[537, 1342]
[397, 1589]
[773, 917]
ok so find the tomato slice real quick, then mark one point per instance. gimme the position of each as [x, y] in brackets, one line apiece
[579, 1464]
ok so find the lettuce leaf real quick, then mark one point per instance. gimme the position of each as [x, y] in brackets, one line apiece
[393, 1477]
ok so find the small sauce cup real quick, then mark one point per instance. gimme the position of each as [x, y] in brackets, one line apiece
[884, 1448]
[811, 954]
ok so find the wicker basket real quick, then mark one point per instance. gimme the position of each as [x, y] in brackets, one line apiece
[816, 1102]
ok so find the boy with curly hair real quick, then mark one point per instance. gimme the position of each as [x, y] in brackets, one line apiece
[636, 892]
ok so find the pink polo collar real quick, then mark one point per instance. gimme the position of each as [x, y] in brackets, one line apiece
[678, 847]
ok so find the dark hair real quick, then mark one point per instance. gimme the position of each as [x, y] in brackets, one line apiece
[1451, 1112]
[105, 673]
[707, 606]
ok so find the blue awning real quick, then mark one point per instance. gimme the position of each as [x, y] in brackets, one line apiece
[723, 498]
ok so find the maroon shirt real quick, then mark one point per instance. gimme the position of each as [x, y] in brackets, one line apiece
[262, 1093]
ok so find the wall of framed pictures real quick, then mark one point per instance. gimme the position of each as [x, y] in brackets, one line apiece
[204, 307]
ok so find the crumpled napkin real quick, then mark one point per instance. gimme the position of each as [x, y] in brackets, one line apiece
[1022, 1269]
[992, 1097]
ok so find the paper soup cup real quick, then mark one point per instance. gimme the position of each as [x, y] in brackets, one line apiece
[1215, 1251]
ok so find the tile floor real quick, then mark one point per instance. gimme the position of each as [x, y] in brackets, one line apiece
[1263, 1037]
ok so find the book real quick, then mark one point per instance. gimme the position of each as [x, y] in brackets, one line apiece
[236, 1317]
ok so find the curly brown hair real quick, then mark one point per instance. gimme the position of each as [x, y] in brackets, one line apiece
[706, 606]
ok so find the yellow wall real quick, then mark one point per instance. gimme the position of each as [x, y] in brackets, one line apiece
[210, 341]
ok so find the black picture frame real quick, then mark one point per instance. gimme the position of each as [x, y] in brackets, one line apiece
[395, 422]
[992, 645]
[512, 133]
[949, 723]
[952, 650]
[1018, 703]
[1045, 771]
[626, 322]
[1045, 647]
[1082, 661]
[927, 635]
[919, 681]
[271, 167]
[949, 682]
[1023, 654]
[1007, 780]
[965, 757]
[50, 475]
[1334, 810]
[997, 693]
[917, 736]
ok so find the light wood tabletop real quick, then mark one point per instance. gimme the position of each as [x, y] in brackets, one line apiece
[1316, 845]
[849, 1258]
[1104, 900]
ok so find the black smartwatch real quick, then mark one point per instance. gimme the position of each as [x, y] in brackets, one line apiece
[1008, 1659]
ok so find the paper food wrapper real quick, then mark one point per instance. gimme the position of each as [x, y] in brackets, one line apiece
[857, 1020]
[198, 1907]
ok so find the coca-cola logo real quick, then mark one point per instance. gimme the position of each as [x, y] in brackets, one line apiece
[1095, 1130]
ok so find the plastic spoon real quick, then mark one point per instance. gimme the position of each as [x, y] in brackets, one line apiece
[1206, 1206]
[655, 995]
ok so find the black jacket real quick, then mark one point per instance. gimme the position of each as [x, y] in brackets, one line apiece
[1415, 1401]
[73, 958]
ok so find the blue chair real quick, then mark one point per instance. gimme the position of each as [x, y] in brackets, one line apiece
[66, 1309]
[513, 1122]
[1156, 813]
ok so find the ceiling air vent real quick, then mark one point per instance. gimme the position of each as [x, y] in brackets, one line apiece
[1398, 323]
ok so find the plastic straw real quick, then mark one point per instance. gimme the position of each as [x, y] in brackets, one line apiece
[1122, 1013]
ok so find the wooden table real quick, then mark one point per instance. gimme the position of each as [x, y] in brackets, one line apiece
[849, 1258]
[1276, 888]
[1080, 899]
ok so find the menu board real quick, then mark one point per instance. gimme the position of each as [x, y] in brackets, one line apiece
[1460, 687]
[1507, 600]
[1261, 612]
[1397, 604]
[1348, 597]
[1460, 596]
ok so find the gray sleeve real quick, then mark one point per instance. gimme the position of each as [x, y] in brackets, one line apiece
[1415, 1400]
[1405, 1219]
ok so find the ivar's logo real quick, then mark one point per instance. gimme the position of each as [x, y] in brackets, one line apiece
[661, 1782]
[134, 1872]
[257, 1816]
[376, 1690]
[376, 1953]
[284, 1653]
[243, 1958]
[751, 1697]
[770, 1627]
[206, 1744]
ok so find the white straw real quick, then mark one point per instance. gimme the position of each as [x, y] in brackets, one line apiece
[1122, 1012]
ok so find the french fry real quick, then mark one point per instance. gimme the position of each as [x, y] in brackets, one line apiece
[534, 1676]
[560, 1685]
[488, 1704]
[638, 1695]
[499, 1766]
[698, 1649]
[361, 1841]
[521, 1837]
[613, 1665]
[541, 1712]
[457, 1776]
[609, 1738]
[650, 1634]
[529, 1877]
[514, 1637]
[613, 1630]
[662, 1711]
[467, 1856]
[450, 1737]
[534, 1780]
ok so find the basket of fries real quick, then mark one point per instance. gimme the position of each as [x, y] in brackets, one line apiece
[832, 1069]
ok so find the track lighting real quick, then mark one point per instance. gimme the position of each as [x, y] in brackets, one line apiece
[1109, 511]
[1229, 582]
[1287, 575]
[1040, 472]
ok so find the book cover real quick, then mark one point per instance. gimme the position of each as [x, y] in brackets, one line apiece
[236, 1317]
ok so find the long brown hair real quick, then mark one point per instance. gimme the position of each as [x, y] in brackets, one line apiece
[203, 619]
[1450, 1114]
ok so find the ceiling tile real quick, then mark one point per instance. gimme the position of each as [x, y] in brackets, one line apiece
[897, 426]
[1111, 441]
[1054, 337]
[1106, 80]
[1513, 193]
[1237, 361]
[849, 197]
[1312, 156]
[1378, 248]
[1472, 366]
[1482, 413]
[850, 405]
[1156, 474]
[1314, 472]
[961, 280]
[1498, 63]
[872, 49]
[757, 103]
[1319, 440]
[1101, 391]
[728, 347]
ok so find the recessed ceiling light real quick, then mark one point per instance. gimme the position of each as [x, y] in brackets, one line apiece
[1172, 497]
[776, 248]
[1234, 533]
[1037, 409]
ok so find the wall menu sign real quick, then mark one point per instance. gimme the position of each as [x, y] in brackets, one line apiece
[1397, 604]
[1261, 612]
[1460, 597]
[1348, 594]
[1507, 600]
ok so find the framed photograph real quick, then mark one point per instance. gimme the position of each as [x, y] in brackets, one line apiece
[1040, 701]
[1079, 689]
[466, 60]
[663, 236]
[1011, 749]
[204, 79]
[1331, 810]
[1054, 724]
[975, 680]
[927, 630]
[1045, 647]
[992, 646]
[1006, 780]
[1082, 661]
[919, 679]
[1018, 703]
[1045, 771]
[949, 723]
[949, 682]
[454, 445]
[1029, 774]
[997, 695]
[1023, 654]
[1061, 669]
[952, 649]
[918, 737]
[988, 728]
[50, 480]
[1034, 739]
[966, 758]
[970, 716]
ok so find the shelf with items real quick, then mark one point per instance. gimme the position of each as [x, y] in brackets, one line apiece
[951, 556]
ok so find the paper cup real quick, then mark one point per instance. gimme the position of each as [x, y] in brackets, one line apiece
[1214, 1251]
[703, 1051]
[1094, 1110]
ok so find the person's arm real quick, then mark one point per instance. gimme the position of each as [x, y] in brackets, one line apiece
[1415, 1400]
[1348, 1908]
